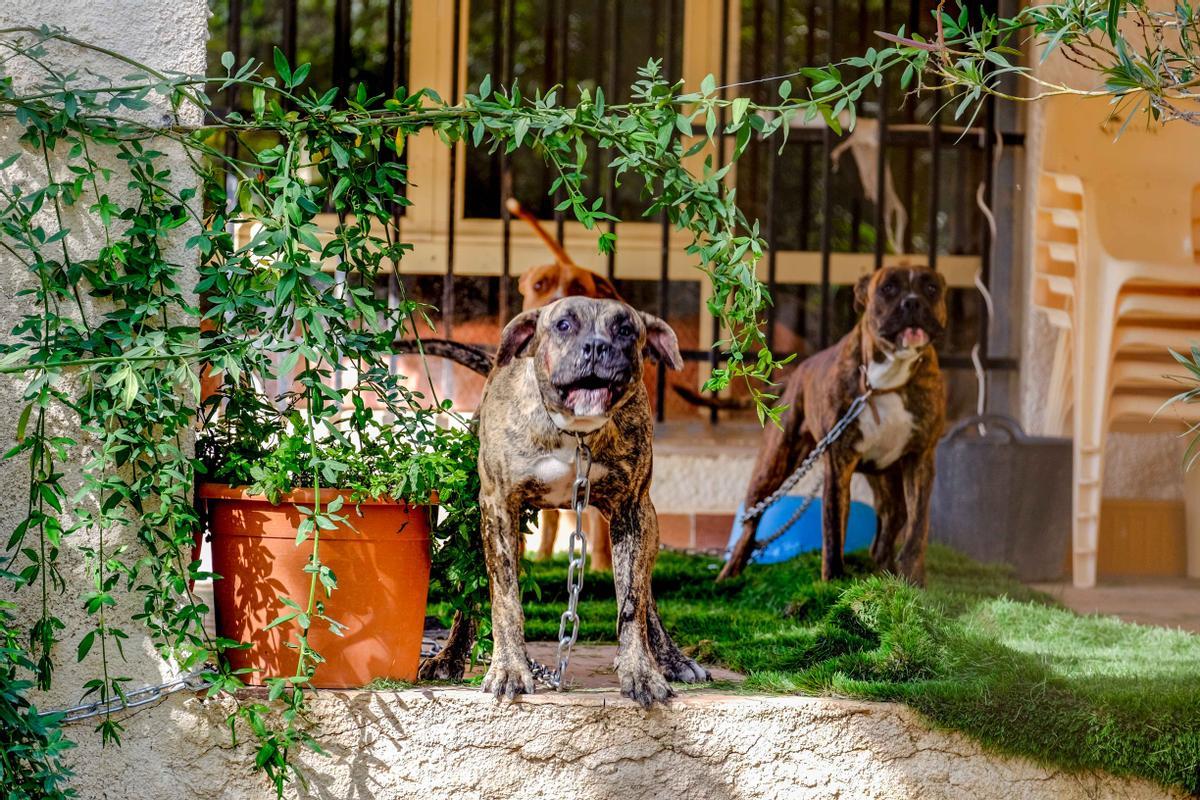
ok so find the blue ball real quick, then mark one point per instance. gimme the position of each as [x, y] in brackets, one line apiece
[805, 533]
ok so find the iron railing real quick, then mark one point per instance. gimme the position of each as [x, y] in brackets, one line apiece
[798, 194]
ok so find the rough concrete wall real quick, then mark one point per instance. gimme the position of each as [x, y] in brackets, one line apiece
[459, 743]
[168, 35]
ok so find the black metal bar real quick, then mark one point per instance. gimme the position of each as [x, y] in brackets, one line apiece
[757, 70]
[935, 179]
[341, 44]
[772, 236]
[563, 13]
[827, 197]
[392, 62]
[881, 160]
[289, 31]
[713, 355]
[503, 43]
[233, 39]
[401, 71]
[614, 63]
[810, 55]
[664, 275]
[448, 280]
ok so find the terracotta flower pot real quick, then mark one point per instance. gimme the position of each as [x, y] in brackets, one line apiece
[382, 571]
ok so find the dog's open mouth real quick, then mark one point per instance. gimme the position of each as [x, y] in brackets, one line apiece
[587, 397]
[912, 338]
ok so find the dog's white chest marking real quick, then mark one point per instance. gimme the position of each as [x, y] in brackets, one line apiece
[893, 372]
[884, 441]
[556, 470]
[885, 433]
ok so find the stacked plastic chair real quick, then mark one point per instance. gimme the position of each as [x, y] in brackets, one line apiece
[1117, 270]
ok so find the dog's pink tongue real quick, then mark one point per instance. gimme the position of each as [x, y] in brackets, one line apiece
[914, 337]
[588, 402]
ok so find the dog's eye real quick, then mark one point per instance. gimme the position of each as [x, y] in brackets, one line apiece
[563, 325]
[890, 290]
[931, 289]
[539, 286]
[625, 330]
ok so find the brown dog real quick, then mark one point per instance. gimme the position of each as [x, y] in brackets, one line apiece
[544, 284]
[892, 441]
[574, 369]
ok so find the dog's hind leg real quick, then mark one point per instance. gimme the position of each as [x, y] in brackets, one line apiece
[918, 489]
[781, 453]
[599, 541]
[634, 534]
[888, 489]
[548, 525]
[451, 662]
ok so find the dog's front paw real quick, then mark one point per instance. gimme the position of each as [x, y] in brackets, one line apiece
[645, 684]
[682, 669]
[508, 678]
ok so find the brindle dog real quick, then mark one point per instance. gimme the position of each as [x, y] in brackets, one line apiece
[892, 442]
[574, 368]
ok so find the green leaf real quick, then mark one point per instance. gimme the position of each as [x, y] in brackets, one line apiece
[1113, 17]
[23, 421]
[281, 67]
[227, 60]
[85, 645]
[739, 109]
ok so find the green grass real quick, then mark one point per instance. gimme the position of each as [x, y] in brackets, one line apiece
[976, 652]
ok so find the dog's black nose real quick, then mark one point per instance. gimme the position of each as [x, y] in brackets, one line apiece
[909, 303]
[596, 347]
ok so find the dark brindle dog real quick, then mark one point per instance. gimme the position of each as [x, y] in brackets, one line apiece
[575, 366]
[892, 442]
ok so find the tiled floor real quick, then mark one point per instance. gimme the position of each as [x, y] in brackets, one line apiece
[1169, 602]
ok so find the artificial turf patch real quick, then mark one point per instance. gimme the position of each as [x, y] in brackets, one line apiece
[976, 652]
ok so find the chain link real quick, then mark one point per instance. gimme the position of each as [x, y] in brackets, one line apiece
[568, 624]
[192, 682]
[755, 511]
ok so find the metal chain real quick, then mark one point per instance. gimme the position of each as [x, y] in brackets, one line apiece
[192, 682]
[835, 433]
[581, 493]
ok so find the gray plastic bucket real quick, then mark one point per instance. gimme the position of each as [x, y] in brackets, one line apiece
[1004, 497]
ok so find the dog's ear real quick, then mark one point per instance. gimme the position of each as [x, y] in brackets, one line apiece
[605, 288]
[661, 343]
[516, 337]
[860, 293]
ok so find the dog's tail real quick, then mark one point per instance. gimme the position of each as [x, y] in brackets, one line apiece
[517, 210]
[719, 403]
[476, 359]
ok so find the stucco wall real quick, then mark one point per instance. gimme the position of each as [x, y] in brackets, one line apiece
[462, 744]
[167, 35]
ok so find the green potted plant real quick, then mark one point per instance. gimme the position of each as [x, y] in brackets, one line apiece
[264, 476]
